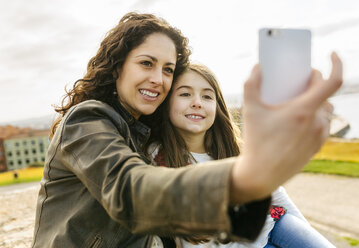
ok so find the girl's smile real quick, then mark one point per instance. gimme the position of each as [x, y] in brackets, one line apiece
[195, 117]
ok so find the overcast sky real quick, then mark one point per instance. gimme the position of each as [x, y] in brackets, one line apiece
[45, 45]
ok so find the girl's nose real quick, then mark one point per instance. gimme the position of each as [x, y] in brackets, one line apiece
[196, 103]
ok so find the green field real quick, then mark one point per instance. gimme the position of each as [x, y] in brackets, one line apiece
[342, 168]
[337, 156]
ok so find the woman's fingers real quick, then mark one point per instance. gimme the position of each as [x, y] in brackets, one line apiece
[337, 71]
[279, 141]
[322, 123]
[320, 90]
[328, 107]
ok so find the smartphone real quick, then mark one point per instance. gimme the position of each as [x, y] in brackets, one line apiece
[285, 59]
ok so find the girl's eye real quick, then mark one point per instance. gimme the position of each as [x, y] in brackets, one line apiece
[208, 97]
[169, 70]
[146, 63]
[184, 94]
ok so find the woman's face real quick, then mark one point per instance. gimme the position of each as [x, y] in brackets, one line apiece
[192, 104]
[146, 76]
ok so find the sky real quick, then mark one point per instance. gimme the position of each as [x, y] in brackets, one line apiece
[45, 45]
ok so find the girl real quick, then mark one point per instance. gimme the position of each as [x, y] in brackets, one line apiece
[198, 128]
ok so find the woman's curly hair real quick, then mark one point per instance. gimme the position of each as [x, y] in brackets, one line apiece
[99, 82]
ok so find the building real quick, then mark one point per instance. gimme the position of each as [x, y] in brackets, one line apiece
[24, 149]
[3, 166]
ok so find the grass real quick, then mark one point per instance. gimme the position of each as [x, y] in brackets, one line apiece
[29, 174]
[351, 241]
[342, 168]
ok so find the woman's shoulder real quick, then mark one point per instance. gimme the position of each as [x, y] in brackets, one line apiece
[92, 105]
[90, 109]
[92, 115]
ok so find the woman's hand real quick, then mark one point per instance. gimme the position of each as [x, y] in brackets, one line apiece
[279, 140]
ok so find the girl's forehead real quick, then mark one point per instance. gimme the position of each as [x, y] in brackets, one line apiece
[192, 79]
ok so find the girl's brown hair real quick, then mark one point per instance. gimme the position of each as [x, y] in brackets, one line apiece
[99, 82]
[222, 140]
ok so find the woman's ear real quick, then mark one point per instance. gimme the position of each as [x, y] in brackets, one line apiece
[116, 73]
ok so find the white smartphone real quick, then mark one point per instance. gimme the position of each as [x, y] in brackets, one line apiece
[285, 59]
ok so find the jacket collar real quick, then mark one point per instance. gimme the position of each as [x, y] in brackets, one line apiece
[139, 131]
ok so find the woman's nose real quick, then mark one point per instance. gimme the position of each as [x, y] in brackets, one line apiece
[157, 77]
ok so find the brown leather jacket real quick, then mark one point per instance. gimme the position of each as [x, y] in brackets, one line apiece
[98, 191]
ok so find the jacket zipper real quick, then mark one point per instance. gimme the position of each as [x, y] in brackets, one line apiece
[96, 243]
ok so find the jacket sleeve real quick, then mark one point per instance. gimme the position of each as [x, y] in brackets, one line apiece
[143, 198]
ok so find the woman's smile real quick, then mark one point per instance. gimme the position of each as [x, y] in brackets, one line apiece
[149, 95]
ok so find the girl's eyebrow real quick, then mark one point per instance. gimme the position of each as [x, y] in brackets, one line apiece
[189, 87]
[209, 89]
[184, 86]
[154, 59]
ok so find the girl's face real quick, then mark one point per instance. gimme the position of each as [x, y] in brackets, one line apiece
[146, 76]
[192, 104]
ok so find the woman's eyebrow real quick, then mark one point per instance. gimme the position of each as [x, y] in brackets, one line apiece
[154, 59]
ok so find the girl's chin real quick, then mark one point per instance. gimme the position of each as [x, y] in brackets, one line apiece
[194, 130]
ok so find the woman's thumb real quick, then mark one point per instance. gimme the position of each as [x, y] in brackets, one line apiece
[252, 86]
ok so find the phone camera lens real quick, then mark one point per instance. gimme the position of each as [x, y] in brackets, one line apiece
[269, 32]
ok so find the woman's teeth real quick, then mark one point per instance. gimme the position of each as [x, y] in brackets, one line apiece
[148, 93]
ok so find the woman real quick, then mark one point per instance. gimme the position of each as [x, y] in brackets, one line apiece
[98, 190]
[196, 127]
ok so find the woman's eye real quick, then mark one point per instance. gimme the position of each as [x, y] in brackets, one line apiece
[184, 94]
[169, 70]
[146, 63]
